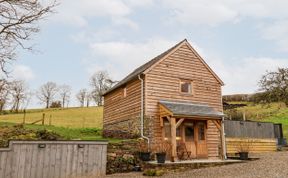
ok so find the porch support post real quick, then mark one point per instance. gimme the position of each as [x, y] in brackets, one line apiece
[223, 139]
[173, 139]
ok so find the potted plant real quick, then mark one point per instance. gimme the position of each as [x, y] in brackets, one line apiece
[144, 153]
[244, 148]
[161, 150]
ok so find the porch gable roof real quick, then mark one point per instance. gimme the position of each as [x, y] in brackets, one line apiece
[190, 109]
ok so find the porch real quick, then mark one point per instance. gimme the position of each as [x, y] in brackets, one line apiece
[195, 131]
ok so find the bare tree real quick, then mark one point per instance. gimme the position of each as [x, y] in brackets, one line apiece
[47, 93]
[19, 20]
[81, 97]
[4, 92]
[65, 93]
[88, 99]
[100, 82]
[18, 91]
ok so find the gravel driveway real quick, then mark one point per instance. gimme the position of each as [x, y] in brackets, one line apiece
[270, 165]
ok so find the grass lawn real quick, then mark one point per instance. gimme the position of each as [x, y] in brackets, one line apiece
[71, 117]
[280, 117]
[274, 112]
[69, 133]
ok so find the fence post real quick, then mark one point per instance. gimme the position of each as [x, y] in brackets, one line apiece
[244, 116]
[43, 118]
[24, 117]
[50, 119]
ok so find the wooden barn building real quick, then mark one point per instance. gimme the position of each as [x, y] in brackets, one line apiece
[175, 96]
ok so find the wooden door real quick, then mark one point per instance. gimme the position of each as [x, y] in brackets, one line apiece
[189, 137]
[200, 139]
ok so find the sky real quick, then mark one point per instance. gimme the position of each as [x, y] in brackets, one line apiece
[239, 39]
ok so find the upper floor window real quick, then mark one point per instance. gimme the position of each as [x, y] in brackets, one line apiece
[186, 86]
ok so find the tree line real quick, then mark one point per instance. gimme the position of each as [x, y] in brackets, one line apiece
[273, 87]
[16, 95]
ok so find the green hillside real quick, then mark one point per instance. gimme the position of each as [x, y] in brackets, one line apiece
[90, 117]
[274, 112]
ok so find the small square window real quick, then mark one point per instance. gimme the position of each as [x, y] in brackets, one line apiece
[186, 86]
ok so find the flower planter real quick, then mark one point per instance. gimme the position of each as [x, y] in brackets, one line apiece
[144, 156]
[161, 157]
[243, 155]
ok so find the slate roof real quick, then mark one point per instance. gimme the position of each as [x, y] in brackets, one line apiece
[190, 109]
[142, 68]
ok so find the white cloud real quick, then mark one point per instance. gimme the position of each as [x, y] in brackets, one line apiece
[273, 15]
[203, 12]
[277, 31]
[22, 72]
[77, 12]
[242, 75]
[207, 12]
[123, 57]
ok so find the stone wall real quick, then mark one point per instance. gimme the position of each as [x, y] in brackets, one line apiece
[122, 157]
[127, 129]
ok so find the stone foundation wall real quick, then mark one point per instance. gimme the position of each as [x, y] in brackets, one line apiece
[122, 157]
[127, 128]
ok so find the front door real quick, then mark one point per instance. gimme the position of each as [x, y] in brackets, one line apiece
[200, 139]
[189, 138]
[194, 136]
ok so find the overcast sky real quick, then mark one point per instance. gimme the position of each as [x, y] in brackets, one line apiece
[239, 39]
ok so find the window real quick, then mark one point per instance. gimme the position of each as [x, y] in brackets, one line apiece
[167, 130]
[186, 86]
[201, 131]
[189, 132]
[124, 92]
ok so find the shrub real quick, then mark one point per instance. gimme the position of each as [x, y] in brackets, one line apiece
[153, 172]
[47, 135]
[56, 104]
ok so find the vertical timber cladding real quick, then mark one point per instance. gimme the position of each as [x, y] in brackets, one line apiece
[162, 83]
[119, 110]
[34, 159]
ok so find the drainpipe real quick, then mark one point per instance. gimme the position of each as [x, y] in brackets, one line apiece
[223, 139]
[142, 111]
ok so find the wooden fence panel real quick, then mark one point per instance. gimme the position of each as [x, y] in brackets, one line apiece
[53, 159]
[242, 129]
[253, 145]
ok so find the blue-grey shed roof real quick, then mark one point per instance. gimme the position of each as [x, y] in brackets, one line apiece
[190, 109]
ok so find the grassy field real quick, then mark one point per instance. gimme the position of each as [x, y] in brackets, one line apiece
[274, 112]
[71, 117]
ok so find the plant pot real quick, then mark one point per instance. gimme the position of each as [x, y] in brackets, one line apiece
[144, 156]
[161, 157]
[243, 155]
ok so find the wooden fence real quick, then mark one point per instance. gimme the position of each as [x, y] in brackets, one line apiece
[53, 159]
[235, 145]
[249, 129]
[255, 137]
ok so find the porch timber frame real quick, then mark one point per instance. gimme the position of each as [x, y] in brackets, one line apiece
[166, 114]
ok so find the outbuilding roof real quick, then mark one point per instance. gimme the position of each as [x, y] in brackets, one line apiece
[190, 109]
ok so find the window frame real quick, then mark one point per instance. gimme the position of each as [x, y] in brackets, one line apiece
[181, 81]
